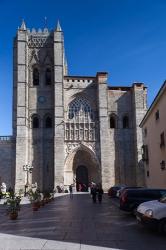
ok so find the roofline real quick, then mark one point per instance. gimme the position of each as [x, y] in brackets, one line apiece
[156, 99]
[119, 88]
[123, 87]
[78, 77]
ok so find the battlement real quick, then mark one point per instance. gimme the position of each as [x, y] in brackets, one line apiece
[81, 79]
[39, 31]
[7, 138]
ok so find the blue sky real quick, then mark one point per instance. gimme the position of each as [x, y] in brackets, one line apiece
[126, 38]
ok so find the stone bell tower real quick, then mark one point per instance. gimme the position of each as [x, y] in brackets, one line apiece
[59, 106]
[38, 107]
[20, 104]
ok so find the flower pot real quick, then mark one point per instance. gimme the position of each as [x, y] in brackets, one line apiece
[46, 200]
[42, 203]
[35, 206]
[13, 216]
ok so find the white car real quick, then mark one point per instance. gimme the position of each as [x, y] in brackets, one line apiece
[153, 214]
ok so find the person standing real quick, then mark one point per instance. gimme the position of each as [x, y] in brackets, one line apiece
[100, 193]
[93, 193]
[71, 191]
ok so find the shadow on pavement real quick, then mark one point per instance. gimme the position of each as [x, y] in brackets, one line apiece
[80, 221]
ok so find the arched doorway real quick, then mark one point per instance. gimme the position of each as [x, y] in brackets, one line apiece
[81, 161]
[82, 180]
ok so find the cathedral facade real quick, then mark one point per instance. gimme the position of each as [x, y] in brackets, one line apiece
[69, 129]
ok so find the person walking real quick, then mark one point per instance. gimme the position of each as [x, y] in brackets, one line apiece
[71, 191]
[99, 193]
[93, 193]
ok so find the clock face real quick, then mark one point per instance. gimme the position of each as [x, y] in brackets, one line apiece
[41, 99]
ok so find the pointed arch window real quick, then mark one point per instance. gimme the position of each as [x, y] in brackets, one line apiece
[35, 77]
[80, 122]
[112, 122]
[48, 122]
[125, 122]
[48, 78]
[80, 110]
[35, 122]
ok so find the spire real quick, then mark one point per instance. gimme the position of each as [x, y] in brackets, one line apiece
[45, 22]
[23, 26]
[58, 27]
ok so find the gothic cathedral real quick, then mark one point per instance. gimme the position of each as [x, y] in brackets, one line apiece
[69, 129]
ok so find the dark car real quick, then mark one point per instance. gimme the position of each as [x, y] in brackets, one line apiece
[132, 198]
[112, 191]
[122, 189]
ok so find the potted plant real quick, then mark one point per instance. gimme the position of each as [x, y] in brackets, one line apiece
[13, 206]
[47, 196]
[34, 197]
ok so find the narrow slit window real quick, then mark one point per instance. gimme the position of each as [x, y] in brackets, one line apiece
[35, 77]
[112, 122]
[48, 77]
[35, 122]
[48, 122]
[125, 122]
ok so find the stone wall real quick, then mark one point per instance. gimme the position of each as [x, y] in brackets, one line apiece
[116, 150]
[7, 161]
[139, 105]
[122, 139]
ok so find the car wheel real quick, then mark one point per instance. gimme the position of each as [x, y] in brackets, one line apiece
[134, 212]
[162, 226]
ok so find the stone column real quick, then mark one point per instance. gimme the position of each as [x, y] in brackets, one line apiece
[58, 108]
[139, 110]
[21, 106]
[107, 169]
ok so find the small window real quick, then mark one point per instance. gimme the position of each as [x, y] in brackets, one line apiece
[162, 140]
[157, 115]
[145, 154]
[147, 173]
[48, 122]
[48, 77]
[145, 132]
[125, 122]
[35, 77]
[35, 122]
[112, 122]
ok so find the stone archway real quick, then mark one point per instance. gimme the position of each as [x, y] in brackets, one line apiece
[81, 156]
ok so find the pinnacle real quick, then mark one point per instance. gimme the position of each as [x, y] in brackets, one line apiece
[23, 26]
[58, 27]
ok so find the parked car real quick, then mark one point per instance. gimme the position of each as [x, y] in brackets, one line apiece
[112, 191]
[122, 189]
[132, 198]
[153, 214]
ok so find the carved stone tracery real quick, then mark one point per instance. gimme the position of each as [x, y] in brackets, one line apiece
[80, 121]
[39, 41]
[71, 146]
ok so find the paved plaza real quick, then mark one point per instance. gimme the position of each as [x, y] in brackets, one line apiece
[76, 224]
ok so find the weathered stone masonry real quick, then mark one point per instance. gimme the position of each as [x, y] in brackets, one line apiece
[71, 129]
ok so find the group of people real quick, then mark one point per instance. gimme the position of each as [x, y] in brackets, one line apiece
[96, 193]
[81, 187]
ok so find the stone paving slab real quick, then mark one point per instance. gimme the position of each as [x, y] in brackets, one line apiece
[76, 224]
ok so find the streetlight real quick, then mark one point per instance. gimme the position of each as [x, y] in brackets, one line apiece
[27, 168]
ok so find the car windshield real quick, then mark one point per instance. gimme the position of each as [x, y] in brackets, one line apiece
[163, 199]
